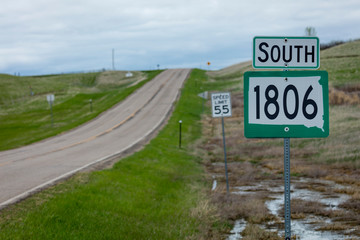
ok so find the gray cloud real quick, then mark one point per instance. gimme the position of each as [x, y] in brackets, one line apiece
[61, 36]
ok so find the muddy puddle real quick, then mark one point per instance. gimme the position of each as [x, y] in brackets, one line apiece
[307, 227]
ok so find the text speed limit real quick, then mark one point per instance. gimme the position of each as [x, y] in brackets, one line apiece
[221, 104]
[286, 104]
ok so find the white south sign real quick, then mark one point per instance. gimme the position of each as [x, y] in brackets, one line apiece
[286, 52]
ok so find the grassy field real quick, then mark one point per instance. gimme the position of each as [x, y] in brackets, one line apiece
[342, 63]
[25, 113]
[257, 164]
[157, 193]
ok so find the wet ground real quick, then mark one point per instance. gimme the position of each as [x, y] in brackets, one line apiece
[304, 228]
[325, 189]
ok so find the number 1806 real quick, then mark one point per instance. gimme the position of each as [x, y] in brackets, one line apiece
[273, 102]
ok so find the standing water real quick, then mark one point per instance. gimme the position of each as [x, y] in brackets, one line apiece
[303, 229]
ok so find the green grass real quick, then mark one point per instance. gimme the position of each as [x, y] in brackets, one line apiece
[343, 72]
[154, 194]
[25, 119]
[342, 63]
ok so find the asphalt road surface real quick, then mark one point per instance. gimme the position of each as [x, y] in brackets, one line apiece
[29, 169]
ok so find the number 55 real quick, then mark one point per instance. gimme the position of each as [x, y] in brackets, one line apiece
[224, 110]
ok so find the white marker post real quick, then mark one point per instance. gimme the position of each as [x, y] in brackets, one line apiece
[180, 122]
[51, 98]
[91, 107]
[221, 107]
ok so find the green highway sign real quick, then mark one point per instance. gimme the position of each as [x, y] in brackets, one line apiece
[286, 52]
[286, 104]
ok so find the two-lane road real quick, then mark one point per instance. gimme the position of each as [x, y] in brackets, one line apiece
[31, 168]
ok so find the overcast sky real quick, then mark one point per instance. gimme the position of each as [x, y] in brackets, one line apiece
[55, 36]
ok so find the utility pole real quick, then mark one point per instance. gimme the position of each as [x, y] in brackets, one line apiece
[113, 58]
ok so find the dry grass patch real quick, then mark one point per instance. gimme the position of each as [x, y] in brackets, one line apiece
[352, 204]
[333, 227]
[273, 165]
[315, 186]
[300, 207]
[343, 177]
[243, 174]
[315, 171]
[254, 232]
[343, 220]
[250, 207]
[356, 194]
[207, 211]
[340, 97]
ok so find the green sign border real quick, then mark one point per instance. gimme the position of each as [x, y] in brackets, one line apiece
[277, 131]
[283, 67]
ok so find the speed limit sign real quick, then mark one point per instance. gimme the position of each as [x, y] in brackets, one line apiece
[221, 104]
[286, 104]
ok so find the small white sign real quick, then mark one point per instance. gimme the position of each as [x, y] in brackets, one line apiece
[203, 95]
[221, 104]
[50, 98]
[286, 52]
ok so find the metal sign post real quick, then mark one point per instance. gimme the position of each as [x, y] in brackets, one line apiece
[286, 104]
[225, 158]
[287, 188]
[52, 115]
[221, 107]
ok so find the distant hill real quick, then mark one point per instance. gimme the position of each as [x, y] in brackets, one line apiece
[343, 65]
